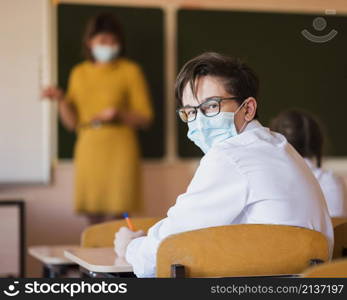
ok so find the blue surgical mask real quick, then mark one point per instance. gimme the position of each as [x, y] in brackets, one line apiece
[208, 131]
[103, 53]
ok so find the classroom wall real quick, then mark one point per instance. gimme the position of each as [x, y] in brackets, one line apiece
[258, 5]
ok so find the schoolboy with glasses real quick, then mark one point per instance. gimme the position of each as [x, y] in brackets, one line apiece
[248, 175]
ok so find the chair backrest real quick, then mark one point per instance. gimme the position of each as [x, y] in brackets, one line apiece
[340, 240]
[338, 221]
[242, 250]
[334, 269]
[102, 235]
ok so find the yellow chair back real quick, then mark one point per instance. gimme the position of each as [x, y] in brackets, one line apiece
[338, 221]
[334, 269]
[102, 235]
[242, 250]
[340, 239]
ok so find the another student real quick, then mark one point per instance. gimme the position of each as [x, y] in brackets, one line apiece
[248, 173]
[304, 133]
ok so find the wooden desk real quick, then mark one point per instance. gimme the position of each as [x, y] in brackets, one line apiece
[53, 259]
[99, 262]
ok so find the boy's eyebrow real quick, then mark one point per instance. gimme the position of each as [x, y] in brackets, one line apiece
[204, 100]
[211, 97]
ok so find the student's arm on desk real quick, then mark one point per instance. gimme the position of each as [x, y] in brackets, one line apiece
[216, 196]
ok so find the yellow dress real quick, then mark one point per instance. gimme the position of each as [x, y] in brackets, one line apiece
[106, 162]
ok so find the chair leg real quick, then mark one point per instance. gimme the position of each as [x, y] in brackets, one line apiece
[48, 272]
[315, 261]
[178, 271]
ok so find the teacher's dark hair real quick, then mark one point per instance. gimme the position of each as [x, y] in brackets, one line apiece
[103, 23]
[237, 77]
[303, 131]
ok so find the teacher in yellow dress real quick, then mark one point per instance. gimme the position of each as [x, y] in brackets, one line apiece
[106, 101]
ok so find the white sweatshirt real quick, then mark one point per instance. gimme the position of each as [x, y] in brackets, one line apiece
[255, 177]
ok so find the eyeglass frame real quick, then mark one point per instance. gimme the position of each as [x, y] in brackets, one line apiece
[217, 99]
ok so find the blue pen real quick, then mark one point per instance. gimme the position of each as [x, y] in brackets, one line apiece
[127, 219]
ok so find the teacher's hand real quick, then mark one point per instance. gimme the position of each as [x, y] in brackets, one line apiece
[108, 114]
[53, 93]
[122, 239]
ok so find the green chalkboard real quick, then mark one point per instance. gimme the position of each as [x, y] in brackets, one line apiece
[293, 71]
[144, 43]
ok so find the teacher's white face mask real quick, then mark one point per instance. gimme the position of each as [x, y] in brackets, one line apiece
[208, 131]
[103, 53]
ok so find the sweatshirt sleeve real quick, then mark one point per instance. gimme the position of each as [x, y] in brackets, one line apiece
[216, 195]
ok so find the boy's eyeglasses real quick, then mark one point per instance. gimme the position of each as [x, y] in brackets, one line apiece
[210, 108]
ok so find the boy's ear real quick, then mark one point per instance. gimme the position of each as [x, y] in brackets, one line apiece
[251, 108]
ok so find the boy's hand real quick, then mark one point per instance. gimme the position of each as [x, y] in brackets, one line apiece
[123, 237]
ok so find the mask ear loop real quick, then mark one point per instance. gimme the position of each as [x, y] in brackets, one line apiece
[238, 109]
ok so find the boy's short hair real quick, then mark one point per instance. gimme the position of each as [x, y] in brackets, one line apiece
[237, 77]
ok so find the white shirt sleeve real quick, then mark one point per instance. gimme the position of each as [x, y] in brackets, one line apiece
[216, 195]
